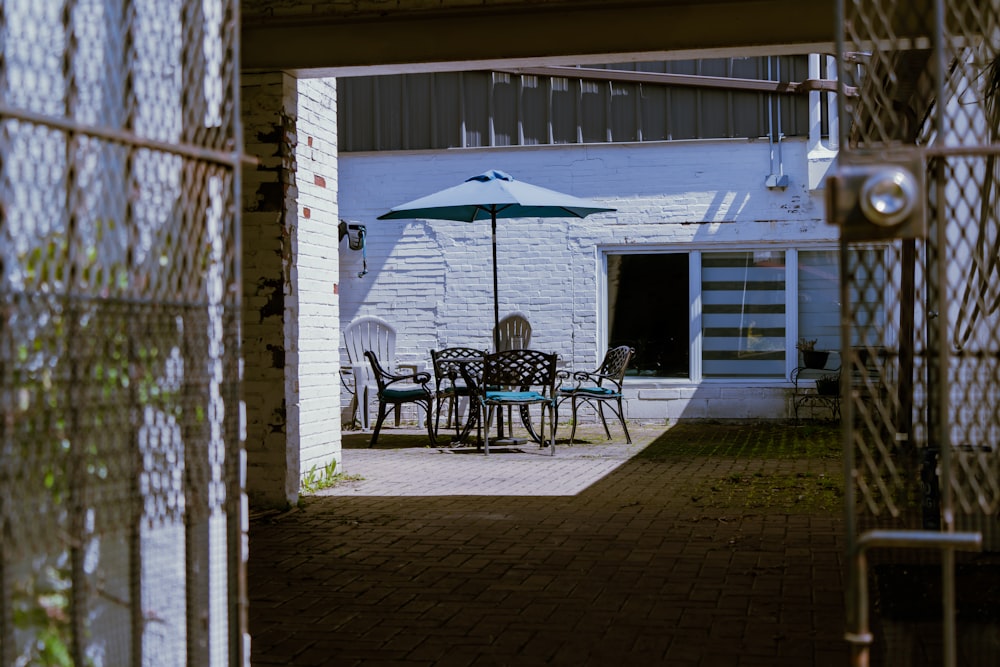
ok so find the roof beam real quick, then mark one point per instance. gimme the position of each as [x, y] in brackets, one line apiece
[455, 37]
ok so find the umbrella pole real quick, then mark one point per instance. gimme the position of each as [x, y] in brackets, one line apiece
[496, 303]
[496, 310]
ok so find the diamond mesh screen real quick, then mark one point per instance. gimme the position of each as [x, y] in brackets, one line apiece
[120, 488]
[921, 327]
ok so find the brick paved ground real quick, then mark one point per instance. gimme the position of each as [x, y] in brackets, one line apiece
[704, 545]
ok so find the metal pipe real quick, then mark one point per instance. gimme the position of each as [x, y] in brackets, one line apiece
[234, 159]
[859, 634]
[692, 80]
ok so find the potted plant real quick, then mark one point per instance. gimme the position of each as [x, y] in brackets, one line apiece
[811, 357]
[828, 385]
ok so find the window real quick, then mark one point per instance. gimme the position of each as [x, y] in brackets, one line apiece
[819, 298]
[750, 306]
[643, 314]
[743, 322]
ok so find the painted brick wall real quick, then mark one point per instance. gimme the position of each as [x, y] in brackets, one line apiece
[316, 272]
[268, 111]
[432, 280]
[290, 275]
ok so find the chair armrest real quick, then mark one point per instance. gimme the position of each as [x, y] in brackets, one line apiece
[414, 370]
[412, 376]
[352, 371]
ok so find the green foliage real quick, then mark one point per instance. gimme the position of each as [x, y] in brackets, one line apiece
[318, 478]
[117, 360]
[800, 492]
[41, 611]
[325, 477]
[777, 466]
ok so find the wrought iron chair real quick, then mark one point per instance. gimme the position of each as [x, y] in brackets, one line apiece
[396, 390]
[514, 333]
[450, 386]
[599, 386]
[518, 378]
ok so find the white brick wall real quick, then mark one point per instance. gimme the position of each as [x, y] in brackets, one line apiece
[316, 270]
[433, 281]
[290, 277]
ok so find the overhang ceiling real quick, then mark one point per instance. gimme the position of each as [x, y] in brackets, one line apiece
[312, 39]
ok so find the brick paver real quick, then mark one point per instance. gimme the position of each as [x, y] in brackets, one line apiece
[591, 557]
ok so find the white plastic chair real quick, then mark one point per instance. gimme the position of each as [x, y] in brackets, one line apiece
[515, 332]
[363, 334]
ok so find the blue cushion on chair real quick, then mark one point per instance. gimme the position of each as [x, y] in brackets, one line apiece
[597, 391]
[403, 393]
[514, 396]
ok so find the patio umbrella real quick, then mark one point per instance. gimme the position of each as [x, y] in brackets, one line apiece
[490, 196]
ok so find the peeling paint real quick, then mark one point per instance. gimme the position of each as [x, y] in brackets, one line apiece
[275, 306]
[277, 355]
[270, 196]
[279, 419]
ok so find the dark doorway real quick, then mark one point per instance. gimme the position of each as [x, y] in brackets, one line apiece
[649, 309]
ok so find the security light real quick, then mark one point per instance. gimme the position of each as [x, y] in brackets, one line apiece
[888, 196]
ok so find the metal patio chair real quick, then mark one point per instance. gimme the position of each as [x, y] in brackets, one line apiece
[598, 387]
[451, 388]
[396, 390]
[518, 378]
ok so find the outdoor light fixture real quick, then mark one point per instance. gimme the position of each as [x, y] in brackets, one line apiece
[355, 234]
[888, 196]
[879, 196]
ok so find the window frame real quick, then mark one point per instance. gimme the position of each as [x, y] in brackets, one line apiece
[695, 253]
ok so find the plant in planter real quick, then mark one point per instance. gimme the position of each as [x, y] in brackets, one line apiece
[811, 357]
[828, 385]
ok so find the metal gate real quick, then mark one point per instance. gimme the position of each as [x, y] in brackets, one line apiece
[916, 195]
[121, 539]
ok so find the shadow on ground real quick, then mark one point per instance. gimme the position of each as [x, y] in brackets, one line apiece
[713, 544]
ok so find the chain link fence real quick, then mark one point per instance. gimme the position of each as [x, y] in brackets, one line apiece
[921, 327]
[120, 427]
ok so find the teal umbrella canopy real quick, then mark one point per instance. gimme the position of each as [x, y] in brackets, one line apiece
[490, 196]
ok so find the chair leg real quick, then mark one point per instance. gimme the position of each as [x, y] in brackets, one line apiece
[621, 417]
[600, 413]
[552, 429]
[437, 416]
[365, 405]
[572, 433]
[352, 409]
[487, 415]
[378, 424]
[431, 430]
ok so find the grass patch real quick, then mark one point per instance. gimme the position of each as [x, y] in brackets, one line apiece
[776, 466]
[797, 492]
[318, 478]
[757, 440]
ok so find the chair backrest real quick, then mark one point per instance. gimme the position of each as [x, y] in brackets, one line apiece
[521, 369]
[374, 334]
[448, 363]
[616, 363]
[515, 332]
